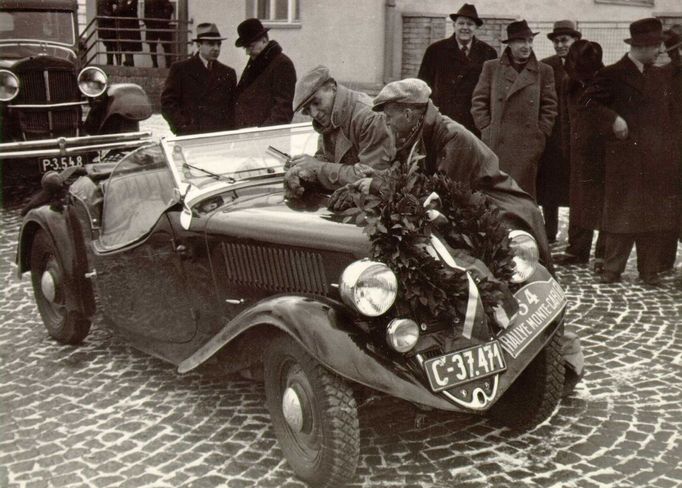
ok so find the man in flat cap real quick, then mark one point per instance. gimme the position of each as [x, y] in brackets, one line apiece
[514, 105]
[420, 130]
[633, 104]
[353, 142]
[266, 87]
[451, 67]
[198, 95]
[554, 169]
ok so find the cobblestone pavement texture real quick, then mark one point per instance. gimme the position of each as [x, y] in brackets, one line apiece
[105, 415]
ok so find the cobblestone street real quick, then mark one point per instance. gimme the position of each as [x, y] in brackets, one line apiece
[105, 415]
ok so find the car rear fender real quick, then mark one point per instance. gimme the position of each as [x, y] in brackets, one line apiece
[63, 231]
[326, 333]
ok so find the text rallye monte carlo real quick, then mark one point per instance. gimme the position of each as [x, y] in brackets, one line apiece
[195, 255]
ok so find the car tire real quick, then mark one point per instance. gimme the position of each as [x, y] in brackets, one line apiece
[536, 392]
[321, 438]
[49, 288]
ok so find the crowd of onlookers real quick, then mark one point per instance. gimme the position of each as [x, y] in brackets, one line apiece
[604, 141]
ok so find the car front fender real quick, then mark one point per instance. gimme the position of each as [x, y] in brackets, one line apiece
[326, 334]
[69, 249]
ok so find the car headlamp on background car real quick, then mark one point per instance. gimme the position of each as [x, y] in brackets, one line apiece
[368, 287]
[526, 255]
[402, 334]
[92, 81]
[9, 85]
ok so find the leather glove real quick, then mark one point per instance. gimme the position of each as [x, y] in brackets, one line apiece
[300, 176]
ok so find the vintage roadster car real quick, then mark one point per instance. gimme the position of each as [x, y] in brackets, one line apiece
[45, 88]
[196, 257]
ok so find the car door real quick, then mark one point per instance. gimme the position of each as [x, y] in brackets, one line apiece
[139, 271]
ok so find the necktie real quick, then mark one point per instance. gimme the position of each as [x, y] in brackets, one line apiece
[465, 50]
[209, 65]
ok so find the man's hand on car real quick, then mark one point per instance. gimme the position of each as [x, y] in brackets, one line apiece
[343, 198]
[303, 173]
[299, 159]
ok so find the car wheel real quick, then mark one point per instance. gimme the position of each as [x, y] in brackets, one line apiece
[49, 289]
[314, 415]
[536, 392]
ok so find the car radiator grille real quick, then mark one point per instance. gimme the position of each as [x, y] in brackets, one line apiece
[47, 87]
[276, 269]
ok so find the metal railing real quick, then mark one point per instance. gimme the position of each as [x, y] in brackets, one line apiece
[93, 45]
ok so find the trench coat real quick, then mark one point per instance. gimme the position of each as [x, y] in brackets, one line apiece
[357, 137]
[554, 169]
[452, 76]
[196, 100]
[106, 27]
[641, 173]
[128, 26]
[265, 92]
[451, 148]
[515, 113]
[586, 153]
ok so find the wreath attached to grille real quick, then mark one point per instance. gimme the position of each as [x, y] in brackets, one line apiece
[400, 225]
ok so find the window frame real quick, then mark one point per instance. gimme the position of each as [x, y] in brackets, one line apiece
[630, 3]
[292, 7]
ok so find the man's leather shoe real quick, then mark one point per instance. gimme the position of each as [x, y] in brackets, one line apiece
[566, 258]
[651, 279]
[607, 278]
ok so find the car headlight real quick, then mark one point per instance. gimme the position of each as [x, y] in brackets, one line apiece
[9, 85]
[402, 334]
[369, 287]
[92, 82]
[526, 255]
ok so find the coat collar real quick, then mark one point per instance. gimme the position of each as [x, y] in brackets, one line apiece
[340, 110]
[475, 51]
[526, 77]
[631, 75]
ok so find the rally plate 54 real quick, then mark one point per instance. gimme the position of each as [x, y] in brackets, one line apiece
[459, 367]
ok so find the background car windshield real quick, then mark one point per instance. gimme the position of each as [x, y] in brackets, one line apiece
[225, 158]
[38, 25]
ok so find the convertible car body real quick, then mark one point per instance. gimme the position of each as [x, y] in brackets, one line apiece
[196, 256]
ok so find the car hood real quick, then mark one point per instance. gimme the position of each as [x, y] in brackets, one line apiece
[269, 218]
[13, 52]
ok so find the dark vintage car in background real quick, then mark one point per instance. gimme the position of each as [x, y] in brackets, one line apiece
[196, 257]
[45, 90]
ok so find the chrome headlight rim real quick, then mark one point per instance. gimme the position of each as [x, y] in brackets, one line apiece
[526, 255]
[11, 76]
[99, 73]
[402, 334]
[353, 288]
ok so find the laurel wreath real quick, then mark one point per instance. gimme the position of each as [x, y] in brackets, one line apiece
[399, 229]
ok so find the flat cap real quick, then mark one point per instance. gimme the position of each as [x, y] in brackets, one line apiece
[308, 85]
[409, 90]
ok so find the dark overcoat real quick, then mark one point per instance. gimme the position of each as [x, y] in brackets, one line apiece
[449, 147]
[265, 92]
[515, 113]
[128, 26]
[196, 100]
[157, 29]
[554, 168]
[105, 27]
[641, 173]
[586, 153]
[452, 76]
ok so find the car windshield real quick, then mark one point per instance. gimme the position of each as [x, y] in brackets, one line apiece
[215, 160]
[37, 25]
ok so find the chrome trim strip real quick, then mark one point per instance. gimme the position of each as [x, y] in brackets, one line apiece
[48, 106]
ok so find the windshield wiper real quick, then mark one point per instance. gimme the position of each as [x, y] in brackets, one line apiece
[229, 179]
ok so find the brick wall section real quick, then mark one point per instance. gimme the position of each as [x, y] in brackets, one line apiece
[421, 30]
[150, 79]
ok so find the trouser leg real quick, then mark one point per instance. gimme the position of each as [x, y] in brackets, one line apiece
[155, 58]
[617, 249]
[551, 214]
[668, 250]
[579, 241]
[651, 247]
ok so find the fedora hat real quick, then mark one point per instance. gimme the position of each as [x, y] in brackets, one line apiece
[646, 32]
[207, 31]
[469, 11]
[564, 28]
[584, 59]
[519, 30]
[249, 31]
[672, 40]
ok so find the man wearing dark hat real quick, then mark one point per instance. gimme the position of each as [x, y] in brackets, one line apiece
[354, 141]
[554, 169]
[198, 95]
[451, 67]
[632, 103]
[266, 88]
[514, 105]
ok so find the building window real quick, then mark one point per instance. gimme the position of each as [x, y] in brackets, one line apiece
[637, 3]
[275, 11]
